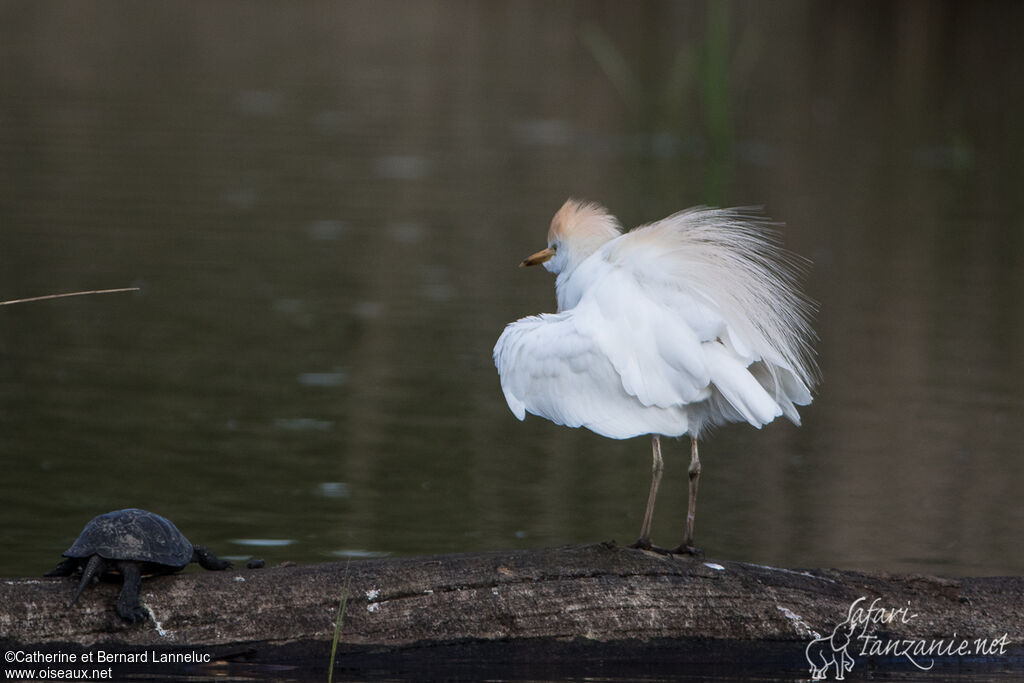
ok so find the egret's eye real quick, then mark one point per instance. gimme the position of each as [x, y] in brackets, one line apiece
[553, 247]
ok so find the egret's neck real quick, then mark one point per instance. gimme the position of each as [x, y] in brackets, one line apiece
[579, 264]
[567, 292]
[572, 283]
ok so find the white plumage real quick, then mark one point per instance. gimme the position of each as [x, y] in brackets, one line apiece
[690, 321]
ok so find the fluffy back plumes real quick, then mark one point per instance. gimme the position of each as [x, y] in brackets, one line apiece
[734, 258]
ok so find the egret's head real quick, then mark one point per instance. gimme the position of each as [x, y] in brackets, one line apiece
[577, 231]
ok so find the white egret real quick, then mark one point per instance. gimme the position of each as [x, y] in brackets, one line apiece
[692, 321]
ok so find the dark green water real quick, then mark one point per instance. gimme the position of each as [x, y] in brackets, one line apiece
[323, 205]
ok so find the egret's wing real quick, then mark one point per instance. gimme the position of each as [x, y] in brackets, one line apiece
[669, 349]
[746, 397]
[652, 336]
[551, 368]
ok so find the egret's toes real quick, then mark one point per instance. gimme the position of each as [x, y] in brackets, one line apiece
[686, 549]
[645, 544]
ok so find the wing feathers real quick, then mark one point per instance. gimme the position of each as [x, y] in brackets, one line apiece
[548, 368]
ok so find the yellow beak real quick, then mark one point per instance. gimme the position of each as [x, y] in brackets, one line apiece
[538, 258]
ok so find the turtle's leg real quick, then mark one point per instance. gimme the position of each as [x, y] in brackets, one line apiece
[208, 560]
[128, 606]
[65, 568]
[93, 569]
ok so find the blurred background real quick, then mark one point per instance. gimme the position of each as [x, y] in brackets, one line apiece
[323, 205]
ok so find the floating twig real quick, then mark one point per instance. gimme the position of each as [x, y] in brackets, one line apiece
[61, 296]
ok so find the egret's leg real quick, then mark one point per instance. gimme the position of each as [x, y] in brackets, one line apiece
[691, 511]
[657, 467]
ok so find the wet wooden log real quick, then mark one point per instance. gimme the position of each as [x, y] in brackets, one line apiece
[521, 606]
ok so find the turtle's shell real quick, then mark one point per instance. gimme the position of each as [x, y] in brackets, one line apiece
[133, 534]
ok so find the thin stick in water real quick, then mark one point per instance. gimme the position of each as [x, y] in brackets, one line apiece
[61, 296]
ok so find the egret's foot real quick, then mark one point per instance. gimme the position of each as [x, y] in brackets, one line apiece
[641, 544]
[685, 549]
[645, 544]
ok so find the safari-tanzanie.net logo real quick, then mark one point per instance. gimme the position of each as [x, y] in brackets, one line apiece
[863, 634]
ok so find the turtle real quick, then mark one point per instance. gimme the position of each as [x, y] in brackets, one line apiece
[131, 542]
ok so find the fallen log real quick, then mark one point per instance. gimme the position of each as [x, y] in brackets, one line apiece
[594, 605]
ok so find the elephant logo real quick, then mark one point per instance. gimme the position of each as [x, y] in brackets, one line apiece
[831, 652]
